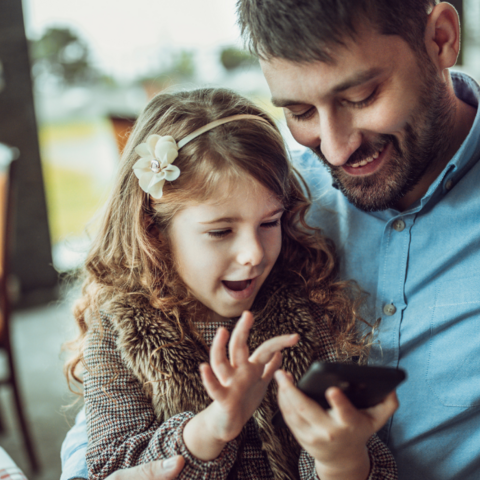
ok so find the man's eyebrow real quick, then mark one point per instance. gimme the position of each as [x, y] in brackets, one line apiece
[358, 80]
[236, 219]
[355, 81]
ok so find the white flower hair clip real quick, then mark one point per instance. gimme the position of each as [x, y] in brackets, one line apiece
[158, 153]
[155, 164]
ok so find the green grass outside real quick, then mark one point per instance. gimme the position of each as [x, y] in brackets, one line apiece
[73, 197]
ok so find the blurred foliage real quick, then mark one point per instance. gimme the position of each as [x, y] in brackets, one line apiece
[181, 68]
[62, 54]
[233, 58]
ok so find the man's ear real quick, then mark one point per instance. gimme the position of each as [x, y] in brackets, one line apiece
[442, 36]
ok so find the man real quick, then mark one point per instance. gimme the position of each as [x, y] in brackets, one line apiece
[365, 85]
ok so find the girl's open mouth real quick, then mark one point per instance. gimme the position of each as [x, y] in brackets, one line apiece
[237, 286]
[240, 289]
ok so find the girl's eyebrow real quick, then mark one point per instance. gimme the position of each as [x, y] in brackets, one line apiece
[236, 219]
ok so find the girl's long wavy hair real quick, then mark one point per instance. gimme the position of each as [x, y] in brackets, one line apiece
[131, 254]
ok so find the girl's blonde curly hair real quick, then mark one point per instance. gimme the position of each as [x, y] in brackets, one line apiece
[131, 255]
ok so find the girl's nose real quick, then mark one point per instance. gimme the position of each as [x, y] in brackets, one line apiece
[250, 251]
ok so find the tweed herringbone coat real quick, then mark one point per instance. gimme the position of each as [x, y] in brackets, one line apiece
[138, 399]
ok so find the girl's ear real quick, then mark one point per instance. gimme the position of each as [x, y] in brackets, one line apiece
[442, 36]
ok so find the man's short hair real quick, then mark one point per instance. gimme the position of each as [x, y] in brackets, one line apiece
[300, 30]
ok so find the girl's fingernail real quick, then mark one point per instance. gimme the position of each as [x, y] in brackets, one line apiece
[280, 376]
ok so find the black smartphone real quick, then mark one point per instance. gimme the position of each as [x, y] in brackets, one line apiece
[364, 386]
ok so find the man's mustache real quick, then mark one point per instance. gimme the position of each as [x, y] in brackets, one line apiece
[366, 150]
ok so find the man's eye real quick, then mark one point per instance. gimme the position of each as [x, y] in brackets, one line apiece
[219, 233]
[303, 116]
[365, 102]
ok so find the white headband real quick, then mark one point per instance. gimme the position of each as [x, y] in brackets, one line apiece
[158, 153]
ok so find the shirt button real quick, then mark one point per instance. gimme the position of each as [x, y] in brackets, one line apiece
[399, 225]
[449, 185]
[389, 309]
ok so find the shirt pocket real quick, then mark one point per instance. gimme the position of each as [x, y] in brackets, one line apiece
[453, 369]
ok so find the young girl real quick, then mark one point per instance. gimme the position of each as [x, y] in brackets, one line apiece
[205, 222]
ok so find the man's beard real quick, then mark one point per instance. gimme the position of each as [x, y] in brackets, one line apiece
[426, 140]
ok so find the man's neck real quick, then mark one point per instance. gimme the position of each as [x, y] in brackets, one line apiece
[464, 118]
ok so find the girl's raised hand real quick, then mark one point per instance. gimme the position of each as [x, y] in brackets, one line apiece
[335, 438]
[238, 384]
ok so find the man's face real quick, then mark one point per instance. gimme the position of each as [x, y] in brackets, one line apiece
[379, 117]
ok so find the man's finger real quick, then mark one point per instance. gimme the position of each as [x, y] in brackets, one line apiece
[167, 469]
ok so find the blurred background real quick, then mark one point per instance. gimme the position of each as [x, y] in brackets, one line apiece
[73, 75]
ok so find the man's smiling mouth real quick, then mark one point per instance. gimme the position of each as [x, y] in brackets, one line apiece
[368, 165]
[367, 160]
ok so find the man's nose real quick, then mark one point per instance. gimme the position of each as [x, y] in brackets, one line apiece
[250, 250]
[339, 139]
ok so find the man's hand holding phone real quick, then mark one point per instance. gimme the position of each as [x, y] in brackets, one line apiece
[336, 438]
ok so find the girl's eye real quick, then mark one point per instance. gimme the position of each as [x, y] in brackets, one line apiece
[364, 103]
[272, 224]
[303, 116]
[219, 233]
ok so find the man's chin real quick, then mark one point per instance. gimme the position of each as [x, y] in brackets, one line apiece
[381, 190]
[369, 199]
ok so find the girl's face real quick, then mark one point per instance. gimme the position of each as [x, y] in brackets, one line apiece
[225, 248]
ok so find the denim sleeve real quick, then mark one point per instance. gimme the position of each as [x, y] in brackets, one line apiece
[74, 449]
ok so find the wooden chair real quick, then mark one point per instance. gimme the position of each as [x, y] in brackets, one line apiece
[122, 126]
[7, 155]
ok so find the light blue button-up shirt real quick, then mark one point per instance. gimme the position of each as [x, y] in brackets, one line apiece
[424, 263]
[74, 450]
[429, 270]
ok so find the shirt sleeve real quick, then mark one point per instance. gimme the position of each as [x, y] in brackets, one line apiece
[74, 449]
[122, 427]
[8, 468]
[382, 463]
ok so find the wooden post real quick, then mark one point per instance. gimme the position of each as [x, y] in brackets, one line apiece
[31, 262]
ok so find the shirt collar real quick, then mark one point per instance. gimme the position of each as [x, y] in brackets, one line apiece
[467, 90]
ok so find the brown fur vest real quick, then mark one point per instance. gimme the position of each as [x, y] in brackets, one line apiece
[171, 376]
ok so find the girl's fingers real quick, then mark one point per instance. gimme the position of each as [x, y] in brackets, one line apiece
[347, 414]
[272, 366]
[383, 411]
[264, 353]
[213, 387]
[218, 356]
[238, 347]
[298, 410]
[342, 408]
